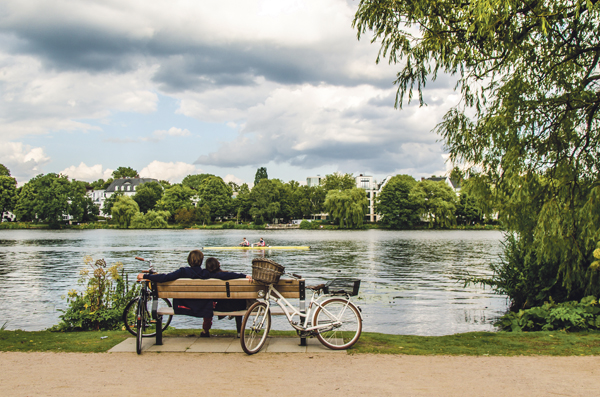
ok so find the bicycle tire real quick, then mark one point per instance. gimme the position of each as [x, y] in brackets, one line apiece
[140, 322]
[255, 328]
[344, 335]
[130, 317]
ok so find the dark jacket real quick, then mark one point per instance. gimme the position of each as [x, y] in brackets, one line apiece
[193, 307]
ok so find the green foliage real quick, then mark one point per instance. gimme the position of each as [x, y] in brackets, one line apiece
[110, 201]
[265, 198]
[100, 305]
[8, 193]
[150, 220]
[306, 225]
[338, 181]
[185, 216]
[81, 207]
[124, 210]
[468, 211]
[528, 121]
[44, 198]
[436, 202]
[261, 174]
[347, 207]
[569, 316]
[194, 181]
[125, 172]
[397, 207]
[176, 197]
[4, 171]
[228, 225]
[147, 195]
[214, 192]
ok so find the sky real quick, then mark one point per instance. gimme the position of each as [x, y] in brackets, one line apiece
[172, 88]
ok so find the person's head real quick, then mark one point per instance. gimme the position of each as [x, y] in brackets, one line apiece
[244, 238]
[261, 239]
[213, 265]
[195, 258]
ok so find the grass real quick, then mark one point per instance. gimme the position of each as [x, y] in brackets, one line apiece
[558, 343]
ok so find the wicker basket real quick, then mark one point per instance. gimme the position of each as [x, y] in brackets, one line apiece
[266, 271]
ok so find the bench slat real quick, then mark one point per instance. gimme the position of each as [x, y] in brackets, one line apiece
[216, 289]
[168, 311]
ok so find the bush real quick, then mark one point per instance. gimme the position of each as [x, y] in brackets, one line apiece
[306, 224]
[228, 225]
[570, 316]
[100, 306]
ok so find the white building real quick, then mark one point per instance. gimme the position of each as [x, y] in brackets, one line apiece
[372, 188]
[126, 185]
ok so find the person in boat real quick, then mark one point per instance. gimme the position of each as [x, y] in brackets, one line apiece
[261, 243]
[245, 243]
[193, 307]
[226, 305]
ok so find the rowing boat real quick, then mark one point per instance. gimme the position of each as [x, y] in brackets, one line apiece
[278, 247]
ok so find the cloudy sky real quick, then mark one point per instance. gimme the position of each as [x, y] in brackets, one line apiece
[173, 88]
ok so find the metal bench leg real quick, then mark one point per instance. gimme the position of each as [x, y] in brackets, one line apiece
[159, 330]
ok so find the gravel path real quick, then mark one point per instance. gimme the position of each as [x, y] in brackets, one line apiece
[186, 374]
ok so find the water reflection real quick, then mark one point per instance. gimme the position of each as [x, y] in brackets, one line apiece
[410, 279]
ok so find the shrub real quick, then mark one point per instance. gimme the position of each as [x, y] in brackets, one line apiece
[306, 224]
[228, 225]
[570, 316]
[100, 305]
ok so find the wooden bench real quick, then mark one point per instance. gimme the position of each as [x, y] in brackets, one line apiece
[186, 288]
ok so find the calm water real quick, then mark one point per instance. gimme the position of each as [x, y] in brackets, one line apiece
[410, 279]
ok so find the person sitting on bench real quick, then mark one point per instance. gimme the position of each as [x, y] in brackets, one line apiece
[194, 307]
[226, 305]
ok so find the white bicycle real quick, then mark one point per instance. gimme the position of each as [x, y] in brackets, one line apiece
[331, 316]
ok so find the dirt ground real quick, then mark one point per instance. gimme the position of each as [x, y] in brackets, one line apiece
[185, 374]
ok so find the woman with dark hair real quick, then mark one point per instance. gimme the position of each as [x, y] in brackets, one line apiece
[226, 305]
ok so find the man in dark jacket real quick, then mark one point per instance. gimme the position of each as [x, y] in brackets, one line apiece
[193, 307]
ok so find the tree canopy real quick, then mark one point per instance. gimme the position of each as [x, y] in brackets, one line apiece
[44, 198]
[125, 172]
[529, 80]
[338, 181]
[261, 174]
[347, 207]
[397, 208]
[147, 195]
[214, 192]
[194, 181]
[124, 211]
[8, 194]
[4, 171]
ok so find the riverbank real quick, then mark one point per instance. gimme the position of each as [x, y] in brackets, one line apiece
[187, 374]
[557, 343]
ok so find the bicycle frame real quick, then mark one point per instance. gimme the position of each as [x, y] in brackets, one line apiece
[290, 311]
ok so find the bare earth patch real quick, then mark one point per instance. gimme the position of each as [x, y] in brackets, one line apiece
[185, 374]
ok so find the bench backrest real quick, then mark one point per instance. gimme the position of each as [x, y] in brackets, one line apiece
[187, 288]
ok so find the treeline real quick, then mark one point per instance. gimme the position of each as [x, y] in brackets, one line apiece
[204, 198]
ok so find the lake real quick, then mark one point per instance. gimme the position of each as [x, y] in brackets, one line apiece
[411, 280]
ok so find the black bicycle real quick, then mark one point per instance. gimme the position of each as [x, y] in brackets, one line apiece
[137, 315]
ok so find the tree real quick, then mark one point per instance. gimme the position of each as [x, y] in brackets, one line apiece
[147, 195]
[124, 210]
[150, 220]
[242, 203]
[125, 172]
[98, 185]
[395, 204]
[261, 174]
[81, 207]
[4, 171]
[44, 198]
[436, 202]
[194, 181]
[110, 201]
[347, 207]
[467, 210]
[528, 120]
[8, 193]
[185, 216]
[203, 214]
[265, 198]
[217, 194]
[174, 198]
[338, 181]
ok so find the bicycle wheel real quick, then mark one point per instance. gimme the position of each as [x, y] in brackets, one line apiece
[255, 327]
[140, 326]
[344, 334]
[130, 317]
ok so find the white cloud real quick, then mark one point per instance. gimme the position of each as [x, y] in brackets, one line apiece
[85, 173]
[23, 161]
[173, 172]
[159, 135]
[232, 178]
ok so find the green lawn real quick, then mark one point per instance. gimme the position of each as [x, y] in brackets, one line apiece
[471, 344]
